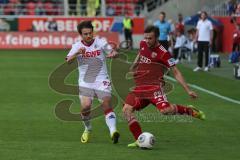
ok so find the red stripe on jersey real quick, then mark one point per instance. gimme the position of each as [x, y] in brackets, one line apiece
[86, 44]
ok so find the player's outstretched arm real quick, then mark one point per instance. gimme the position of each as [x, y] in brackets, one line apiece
[71, 57]
[113, 54]
[180, 79]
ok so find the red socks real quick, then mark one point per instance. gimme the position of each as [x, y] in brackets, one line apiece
[184, 110]
[135, 128]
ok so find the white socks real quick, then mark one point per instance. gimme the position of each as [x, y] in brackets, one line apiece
[110, 119]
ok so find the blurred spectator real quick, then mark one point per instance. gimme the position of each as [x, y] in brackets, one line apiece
[4, 26]
[110, 10]
[98, 7]
[237, 11]
[204, 38]
[72, 7]
[83, 7]
[52, 25]
[171, 36]
[180, 43]
[91, 8]
[231, 6]
[128, 26]
[164, 28]
[191, 36]
[180, 24]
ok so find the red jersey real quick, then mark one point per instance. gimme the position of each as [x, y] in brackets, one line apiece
[236, 37]
[179, 27]
[152, 65]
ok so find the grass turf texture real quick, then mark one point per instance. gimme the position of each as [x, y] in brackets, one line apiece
[29, 129]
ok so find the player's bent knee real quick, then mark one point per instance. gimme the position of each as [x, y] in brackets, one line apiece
[165, 108]
[166, 111]
[127, 109]
[86, 106]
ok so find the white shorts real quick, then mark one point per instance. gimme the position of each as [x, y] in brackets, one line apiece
[98, 89]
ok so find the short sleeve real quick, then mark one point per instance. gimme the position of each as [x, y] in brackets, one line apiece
[105, 46]
[198, 25]
[74, 49]
[168, 60]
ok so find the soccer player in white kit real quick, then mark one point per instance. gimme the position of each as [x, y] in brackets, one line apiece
[93, 77]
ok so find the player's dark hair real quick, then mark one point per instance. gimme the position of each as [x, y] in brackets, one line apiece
[163, 13]
[84, 24]
[153, 29]
[204, 12]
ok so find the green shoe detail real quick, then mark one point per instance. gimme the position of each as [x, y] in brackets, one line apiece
[198, 113]
[134, 144]
[85, 136]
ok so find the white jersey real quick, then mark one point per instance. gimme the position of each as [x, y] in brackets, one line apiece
[92, 64]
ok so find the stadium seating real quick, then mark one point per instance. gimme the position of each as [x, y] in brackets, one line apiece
[122, 7]
[32, 7]
[56, 7]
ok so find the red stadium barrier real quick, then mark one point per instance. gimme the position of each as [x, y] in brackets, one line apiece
[227, 33]
[46, 40]
[69, 24]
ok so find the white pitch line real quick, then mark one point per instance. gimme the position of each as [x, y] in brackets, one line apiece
[207, 91]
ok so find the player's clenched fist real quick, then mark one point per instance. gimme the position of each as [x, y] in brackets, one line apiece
[192, 94]
[112, 54]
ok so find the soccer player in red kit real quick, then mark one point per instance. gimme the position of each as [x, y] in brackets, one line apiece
[148, 71]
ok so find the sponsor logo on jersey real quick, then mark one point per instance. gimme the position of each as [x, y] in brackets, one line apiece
[106, 83]
[154, 55]
[144, 59]
[91, 53]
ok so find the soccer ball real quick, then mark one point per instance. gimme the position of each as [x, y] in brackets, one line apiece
[146, 140]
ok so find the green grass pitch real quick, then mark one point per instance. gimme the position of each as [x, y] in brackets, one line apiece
[29, 129]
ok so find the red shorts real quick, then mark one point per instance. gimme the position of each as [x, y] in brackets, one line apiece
[142, 96]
